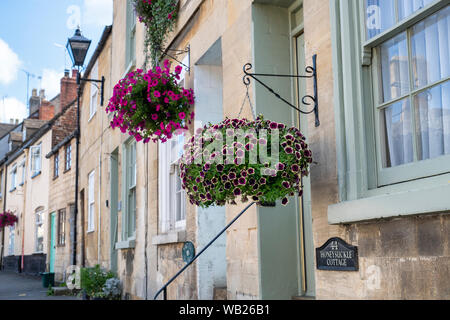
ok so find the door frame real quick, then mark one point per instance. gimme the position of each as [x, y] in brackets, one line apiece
[52, 251]
[114, 210]
[305, 244]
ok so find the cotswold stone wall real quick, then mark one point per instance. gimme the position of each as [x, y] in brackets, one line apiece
[61, 196]
[399, 258]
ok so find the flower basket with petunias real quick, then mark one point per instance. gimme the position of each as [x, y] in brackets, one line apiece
[151, 105]
[7, 219]
[159, 17]
[230, 161]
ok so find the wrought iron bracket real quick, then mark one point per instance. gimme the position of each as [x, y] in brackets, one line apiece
[311, 72]
[177, 53]
[95, 81]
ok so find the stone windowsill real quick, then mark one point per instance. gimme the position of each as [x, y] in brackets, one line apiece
[127, 244]
[412, 202]
[170, 237]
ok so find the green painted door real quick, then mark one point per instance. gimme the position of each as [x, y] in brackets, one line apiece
[52, 241]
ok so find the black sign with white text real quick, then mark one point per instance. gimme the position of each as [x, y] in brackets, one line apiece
[337, 255]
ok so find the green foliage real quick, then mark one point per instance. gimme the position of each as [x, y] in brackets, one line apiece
[50, 291]
[159, 17]
[93, 280]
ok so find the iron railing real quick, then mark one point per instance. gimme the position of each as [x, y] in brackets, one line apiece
[164, 288]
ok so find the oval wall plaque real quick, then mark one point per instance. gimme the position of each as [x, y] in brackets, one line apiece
[188, 251]
[337, 255]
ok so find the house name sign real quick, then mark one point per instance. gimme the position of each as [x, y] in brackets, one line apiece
[337, 255]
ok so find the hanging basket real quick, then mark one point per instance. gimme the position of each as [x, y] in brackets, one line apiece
[219, 165]
[159, 18]
[7, 219]
[152, 105]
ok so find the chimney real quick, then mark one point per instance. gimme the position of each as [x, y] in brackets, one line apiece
[35, 103]
[68, 90]
[46, 111]
[42, 94]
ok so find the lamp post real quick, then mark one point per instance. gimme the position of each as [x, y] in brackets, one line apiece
[78, 46]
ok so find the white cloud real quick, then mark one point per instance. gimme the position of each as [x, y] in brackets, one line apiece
[9, 63]
[11, 108]
[51, 82]
[98, 12]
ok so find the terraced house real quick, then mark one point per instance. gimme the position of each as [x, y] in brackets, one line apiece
[373, 219]
[26, 191]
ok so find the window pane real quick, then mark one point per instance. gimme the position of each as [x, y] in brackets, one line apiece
[131, 211]
[394, 68]
[11, 240]
[39, 233]
[179, 199]
[91, 217]
[430, 48]
[408, 7]
[397, 140]
[380, 16]
[432, 109]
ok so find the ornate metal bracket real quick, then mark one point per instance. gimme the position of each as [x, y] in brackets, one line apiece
[95, 81]
[311, 72]
[177, 53]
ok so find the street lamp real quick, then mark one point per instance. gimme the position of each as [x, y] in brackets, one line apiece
[78, 46]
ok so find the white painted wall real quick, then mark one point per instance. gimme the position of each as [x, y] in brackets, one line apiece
[212, 265]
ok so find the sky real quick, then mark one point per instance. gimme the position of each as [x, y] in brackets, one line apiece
[33, 37]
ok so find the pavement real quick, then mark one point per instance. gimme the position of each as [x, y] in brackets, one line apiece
[15, 286]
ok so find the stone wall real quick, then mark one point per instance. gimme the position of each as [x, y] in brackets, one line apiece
[62, 195]
[399, 258]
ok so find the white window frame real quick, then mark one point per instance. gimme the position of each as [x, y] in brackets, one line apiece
[93, 101]
[68, 157]
[61, 234]
[91, 201]
[36, 162]
[169, 166]
[130, 52]
[39, 223]
[13, 178]
[129, 187]
[22, 165]
[56, 167]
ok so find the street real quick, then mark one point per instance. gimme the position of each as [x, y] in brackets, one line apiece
[14, 286]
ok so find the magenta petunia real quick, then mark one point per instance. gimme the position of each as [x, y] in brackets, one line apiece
[178, 69]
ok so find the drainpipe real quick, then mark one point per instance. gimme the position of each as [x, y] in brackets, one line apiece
[146, 221]
[99, 206]
[77, 138]
[5, 173]
[100, 193]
